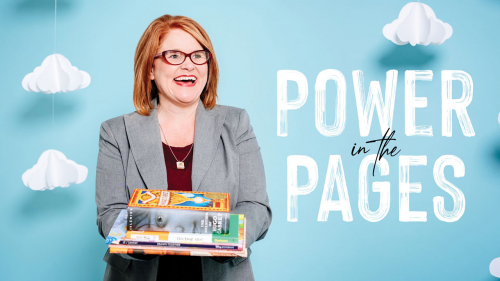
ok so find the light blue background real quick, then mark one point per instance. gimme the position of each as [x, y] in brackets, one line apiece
[52, 235]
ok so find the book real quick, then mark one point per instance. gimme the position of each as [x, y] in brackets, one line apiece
[119, 229]
[231, 241]
[165, 250]
[179, 211]
[231, 237]
[181, 200]
[181, 245]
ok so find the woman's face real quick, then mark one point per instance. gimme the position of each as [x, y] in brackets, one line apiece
[178, 92]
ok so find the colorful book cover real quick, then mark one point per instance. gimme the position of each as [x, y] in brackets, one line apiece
[180, 200]
[179, 211]
[163, 250]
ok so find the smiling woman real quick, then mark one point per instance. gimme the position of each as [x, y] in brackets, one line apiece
[178, 79]
[175, 37]
[180, 139]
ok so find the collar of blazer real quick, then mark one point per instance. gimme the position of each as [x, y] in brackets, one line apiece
[143, 133]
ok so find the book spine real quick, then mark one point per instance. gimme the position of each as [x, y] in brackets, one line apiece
[180, 237]
[159, 219]
[126, 249]
[224, 240]
[182, 245]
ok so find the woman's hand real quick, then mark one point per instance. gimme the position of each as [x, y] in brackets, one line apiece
[222, 259]
[138, 257]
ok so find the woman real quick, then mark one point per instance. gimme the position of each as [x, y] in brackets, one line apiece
[179, 139]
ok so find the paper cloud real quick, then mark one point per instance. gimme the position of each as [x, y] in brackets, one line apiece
[417, 24]
[56, 74]
[53, 169]
[495, 267]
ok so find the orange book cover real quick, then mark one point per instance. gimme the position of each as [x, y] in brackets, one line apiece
[179, 211]
[181, 200]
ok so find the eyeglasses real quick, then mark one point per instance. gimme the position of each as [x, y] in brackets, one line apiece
[178, 57]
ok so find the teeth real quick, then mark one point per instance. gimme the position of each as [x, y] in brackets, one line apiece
[184, 78]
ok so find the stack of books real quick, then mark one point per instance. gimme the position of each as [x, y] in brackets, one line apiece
[167, 222]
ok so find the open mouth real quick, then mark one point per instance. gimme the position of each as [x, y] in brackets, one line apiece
[185, 80]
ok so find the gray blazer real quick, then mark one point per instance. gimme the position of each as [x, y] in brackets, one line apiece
[226, 158]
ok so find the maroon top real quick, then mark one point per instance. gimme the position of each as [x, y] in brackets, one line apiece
[178, 179]
[179, 267]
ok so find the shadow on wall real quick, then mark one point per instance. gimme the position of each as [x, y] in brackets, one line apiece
[407, 57]
[42, 6]
[496, 154]
[490, 278]
[38, 109]
[49, 203]
[56, 206]
[494, 1]
[490, 155]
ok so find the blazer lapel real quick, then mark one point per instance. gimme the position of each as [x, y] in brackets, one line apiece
[208, 129]
[145, 142]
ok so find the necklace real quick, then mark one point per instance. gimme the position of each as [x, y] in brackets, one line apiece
[180, 164]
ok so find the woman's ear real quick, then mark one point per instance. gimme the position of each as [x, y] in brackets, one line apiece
[152, 74]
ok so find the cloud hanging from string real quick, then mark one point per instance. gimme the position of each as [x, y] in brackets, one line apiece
[53, 170]
[56, 74]
[417, 24]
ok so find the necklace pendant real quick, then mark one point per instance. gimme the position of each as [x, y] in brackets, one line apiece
[180, 165]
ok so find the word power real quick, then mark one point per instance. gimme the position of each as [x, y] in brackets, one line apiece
[366, 104]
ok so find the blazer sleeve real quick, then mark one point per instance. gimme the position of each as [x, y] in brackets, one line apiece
[110, 196]
[111, 192]
[253, 201]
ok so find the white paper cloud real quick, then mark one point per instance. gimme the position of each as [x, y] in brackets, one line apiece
[417, 24]
[53, 169]
[495, 267]
[56, 74]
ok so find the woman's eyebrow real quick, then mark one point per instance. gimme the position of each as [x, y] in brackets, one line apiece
[177, 50]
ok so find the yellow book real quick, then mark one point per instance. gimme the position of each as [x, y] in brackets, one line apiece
[179, 211]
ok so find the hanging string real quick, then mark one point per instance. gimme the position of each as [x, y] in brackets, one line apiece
[53, 129]
[55, 26]
[55, 40]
